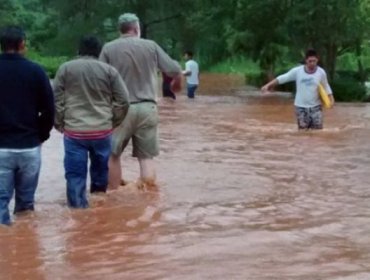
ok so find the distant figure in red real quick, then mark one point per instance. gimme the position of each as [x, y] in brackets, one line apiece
[166, 86]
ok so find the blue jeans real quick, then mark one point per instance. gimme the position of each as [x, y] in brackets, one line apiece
[19, 172]
[76, 152]
[191, 90]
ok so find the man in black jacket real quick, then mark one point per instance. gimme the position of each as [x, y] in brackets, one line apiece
[26, 118]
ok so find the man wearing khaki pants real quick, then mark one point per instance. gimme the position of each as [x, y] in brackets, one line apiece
[138, 61]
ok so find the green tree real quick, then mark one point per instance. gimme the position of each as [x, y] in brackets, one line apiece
[333, 27]
[258, 31]
[266, 30]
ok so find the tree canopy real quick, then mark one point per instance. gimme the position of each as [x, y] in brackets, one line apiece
[269, 32]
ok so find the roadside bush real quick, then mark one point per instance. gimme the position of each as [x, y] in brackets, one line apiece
[49, 63]
[347, 89]
[235, 65]
[347, 74]
[256, 79]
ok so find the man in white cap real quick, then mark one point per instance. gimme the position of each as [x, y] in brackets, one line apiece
[138, 61]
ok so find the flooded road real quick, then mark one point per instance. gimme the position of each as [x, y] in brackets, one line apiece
[242, 195]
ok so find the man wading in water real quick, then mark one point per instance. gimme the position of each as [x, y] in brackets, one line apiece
[138, 60]
[307, 101]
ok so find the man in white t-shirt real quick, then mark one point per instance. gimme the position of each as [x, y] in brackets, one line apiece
[191, 73]
[307, 100]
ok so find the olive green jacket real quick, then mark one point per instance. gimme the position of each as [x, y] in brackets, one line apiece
[89, 96]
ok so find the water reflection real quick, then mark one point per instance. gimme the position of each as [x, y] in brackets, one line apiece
[242, 195]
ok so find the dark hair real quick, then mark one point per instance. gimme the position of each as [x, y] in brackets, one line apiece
[189, 53]
[90, 45]
[11, 38]
[310, 52]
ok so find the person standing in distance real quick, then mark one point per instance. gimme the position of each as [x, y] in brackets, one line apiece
[138, 61]
[307, 102]
[26, 118]
[191, 73]
[91, 99]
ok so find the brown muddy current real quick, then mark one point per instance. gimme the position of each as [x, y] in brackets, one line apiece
[242, 195]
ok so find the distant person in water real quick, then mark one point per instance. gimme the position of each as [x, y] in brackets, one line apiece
[307, 101]
[91, 100]
[191, 73]
[166, 86]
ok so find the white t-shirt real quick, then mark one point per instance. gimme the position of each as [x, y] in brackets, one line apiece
[307, 94]
[192, 66]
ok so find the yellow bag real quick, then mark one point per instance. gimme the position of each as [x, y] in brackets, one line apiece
[325, 100]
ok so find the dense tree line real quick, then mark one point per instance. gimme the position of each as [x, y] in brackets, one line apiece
[268, 31]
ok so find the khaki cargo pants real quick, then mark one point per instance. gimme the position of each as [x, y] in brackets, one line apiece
[140, 125]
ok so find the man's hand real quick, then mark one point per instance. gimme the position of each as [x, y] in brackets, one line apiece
[265, 88]
[186, 73]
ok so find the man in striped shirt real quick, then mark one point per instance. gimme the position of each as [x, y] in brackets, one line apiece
[91, 99]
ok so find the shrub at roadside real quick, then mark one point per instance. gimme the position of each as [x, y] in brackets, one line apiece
[49, 63]
[347, 87]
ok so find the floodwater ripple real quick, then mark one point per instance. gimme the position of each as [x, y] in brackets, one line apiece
[242, 195]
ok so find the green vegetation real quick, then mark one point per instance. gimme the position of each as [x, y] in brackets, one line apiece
[236, 65]
[348, 90]
[258, 39]
[49, 63]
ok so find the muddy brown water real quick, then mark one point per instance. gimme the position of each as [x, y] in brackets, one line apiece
[242, 195]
